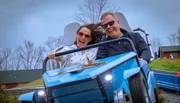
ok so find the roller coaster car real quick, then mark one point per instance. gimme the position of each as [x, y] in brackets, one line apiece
[115, 79]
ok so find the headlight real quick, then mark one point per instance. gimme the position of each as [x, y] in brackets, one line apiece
[108, 77]
[41, 93]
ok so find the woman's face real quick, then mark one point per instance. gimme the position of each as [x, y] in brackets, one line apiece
[83, 37]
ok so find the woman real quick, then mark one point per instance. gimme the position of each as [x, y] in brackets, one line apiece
[84, 37]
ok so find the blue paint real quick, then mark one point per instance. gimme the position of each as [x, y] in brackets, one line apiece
[26, 96]
[168, 81]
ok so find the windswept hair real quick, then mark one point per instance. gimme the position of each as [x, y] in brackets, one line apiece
[91, 28]
[96, 32]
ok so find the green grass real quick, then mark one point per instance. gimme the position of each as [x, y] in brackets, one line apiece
[5, 98]
[171, 65]
[38, 82]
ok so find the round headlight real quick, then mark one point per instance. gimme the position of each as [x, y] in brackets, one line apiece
[108, 77]
[41, 93]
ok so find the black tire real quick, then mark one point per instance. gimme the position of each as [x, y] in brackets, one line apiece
[26, 102]
[156, 96]
[138, 89]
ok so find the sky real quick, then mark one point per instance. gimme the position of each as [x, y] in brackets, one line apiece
[36, 20]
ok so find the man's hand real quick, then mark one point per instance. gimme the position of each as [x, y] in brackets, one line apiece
[140, 59]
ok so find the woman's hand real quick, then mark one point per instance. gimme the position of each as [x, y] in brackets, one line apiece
[89, 61]
[51, 55]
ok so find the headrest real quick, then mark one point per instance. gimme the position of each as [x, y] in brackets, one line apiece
[123, 22]
[70, 33]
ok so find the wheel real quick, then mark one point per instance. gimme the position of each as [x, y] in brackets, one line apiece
[138, 89]
[156, 96]
[26, 102]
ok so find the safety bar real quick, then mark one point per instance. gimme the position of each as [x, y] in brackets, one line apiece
[90, 46]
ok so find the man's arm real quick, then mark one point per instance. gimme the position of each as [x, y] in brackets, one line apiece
[143, 49]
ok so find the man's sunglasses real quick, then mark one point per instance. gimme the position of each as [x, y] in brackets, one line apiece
[86, 35]
[109, 23]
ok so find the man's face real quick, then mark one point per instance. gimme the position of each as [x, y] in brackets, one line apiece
[111, 26]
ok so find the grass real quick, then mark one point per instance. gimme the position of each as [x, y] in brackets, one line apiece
[5, 98]
[38, 82]
[170, 65]
[13, 99]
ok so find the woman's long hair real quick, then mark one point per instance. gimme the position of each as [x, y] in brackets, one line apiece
[95, 34]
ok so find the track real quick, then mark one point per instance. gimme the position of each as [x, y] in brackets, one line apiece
[170, 97]
[18, 91]
[166, 81]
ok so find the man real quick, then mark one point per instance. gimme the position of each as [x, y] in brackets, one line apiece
[112, 28]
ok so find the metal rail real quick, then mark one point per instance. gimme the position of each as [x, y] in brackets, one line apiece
[90, 46]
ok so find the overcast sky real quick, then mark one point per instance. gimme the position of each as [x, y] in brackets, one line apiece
[36, 20]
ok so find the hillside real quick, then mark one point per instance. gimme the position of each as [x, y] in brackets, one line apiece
[171, 65]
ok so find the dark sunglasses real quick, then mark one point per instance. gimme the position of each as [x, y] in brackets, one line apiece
[86, 35]
[109, 23]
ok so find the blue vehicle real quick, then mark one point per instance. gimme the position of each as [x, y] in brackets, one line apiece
[115, 79]
[168, 80]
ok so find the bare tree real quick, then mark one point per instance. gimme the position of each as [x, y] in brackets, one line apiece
[26, 57]
[91, 10]
[9, 61]
[172, 39]
[1, 60]
[5, 59]
[156, 43]
[29, 57]
[17, 62]
[39, 52]
[26, 53]
[178, 37]
[54, 42]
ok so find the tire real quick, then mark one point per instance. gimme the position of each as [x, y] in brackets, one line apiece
[138, 89]
[156, 96]
[26, 102]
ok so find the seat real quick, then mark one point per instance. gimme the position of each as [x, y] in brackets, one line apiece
[70, 33]
[123, 22]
